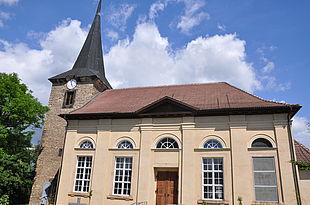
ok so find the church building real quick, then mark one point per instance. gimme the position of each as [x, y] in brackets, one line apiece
[190, 144]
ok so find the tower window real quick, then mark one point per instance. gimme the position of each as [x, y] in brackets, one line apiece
[69, 99]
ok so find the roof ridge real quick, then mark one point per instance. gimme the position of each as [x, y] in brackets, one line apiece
[160, 86]
[262, 99]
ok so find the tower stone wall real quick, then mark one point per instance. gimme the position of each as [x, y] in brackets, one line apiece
[53, 135]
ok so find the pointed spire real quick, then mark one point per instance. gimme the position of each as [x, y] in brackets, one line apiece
[99, 8]
[90, 60]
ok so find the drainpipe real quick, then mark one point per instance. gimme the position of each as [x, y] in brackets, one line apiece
[139, 162]
[182, 165]
[232, 165]
[293, 158]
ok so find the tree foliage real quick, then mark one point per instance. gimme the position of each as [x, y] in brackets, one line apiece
[20, 112]
[302, 165]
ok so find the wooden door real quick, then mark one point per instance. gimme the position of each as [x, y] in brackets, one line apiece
[167, 188]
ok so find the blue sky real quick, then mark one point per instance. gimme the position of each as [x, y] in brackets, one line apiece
[259, 46]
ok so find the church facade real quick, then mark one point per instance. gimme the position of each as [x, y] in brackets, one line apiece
[182, 144]
[185, 149]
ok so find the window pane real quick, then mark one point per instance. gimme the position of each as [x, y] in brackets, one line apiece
[212, 178]
[212, 144]
[167, 143]
[265, 178]
[263, 164]
[87, 145]
[122, 178]
[83, 172]
[125, 145]
[265, 181]
[261, 142]
[266, 194]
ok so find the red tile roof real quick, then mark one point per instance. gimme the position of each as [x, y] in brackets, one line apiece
[302, 152]
[203, 97]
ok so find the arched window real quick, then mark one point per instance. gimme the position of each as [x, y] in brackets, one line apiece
[261, 142]
[212, 144]
[86, 145]
[125, 145]
[167, 143]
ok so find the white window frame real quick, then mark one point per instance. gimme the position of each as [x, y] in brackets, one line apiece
[83, 174]
[169, 145]
[266, 186]
[126, 144]
[123, 182]
[213, 179]
[217, 145]
[87, 141]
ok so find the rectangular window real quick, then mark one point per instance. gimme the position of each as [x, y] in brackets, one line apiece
[122, 176]
[212, 178]
[82, 176]
[265, 182]
[69, 99]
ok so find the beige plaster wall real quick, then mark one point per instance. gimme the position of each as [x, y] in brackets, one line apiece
[236, 133]
[304, 186]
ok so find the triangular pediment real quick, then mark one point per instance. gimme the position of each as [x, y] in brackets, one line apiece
[167, 106]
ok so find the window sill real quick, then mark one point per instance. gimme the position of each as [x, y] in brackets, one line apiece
[166, 150]
[261, 148]
[115, 197]
[117, 149]
[81, 149]
[79, 194]
[211, 202]
[266, 203]
[211, 150]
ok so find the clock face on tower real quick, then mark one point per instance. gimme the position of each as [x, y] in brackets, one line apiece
[71, 84]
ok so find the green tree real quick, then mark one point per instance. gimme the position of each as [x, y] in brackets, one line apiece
[20, 113]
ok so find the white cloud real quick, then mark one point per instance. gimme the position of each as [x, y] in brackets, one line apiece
[187, 22]
[147, 60]
[272, 83]
[156, 7]
[221, 27]
[193, 16]
[113, 35]
[272, 48]
[9, 2]
[268, 67]
[4, 16]
[58, 51]
[119, 15]
[301, 131]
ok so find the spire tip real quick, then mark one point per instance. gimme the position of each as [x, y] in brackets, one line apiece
[99, 8]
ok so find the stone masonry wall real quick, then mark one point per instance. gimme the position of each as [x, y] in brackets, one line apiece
[54, 130]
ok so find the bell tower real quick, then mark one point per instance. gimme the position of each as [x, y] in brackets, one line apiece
[70, 90]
